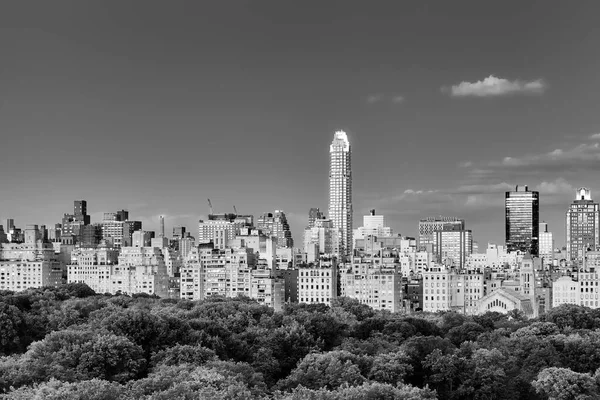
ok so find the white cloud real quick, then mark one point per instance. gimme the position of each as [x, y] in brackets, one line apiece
[465, 164]
[374, 98]
[558, 186]
[493, 86]
[595, 136]
[380, 97]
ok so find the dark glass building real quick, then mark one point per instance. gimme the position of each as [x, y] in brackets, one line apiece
[522, 220]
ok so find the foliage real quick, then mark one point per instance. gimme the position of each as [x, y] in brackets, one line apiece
[564, 384]
[68, 343]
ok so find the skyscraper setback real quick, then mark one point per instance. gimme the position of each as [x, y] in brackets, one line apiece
[340, 190]
[276, 224]
[522, 211]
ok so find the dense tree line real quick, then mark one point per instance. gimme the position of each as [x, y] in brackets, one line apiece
[69, 343]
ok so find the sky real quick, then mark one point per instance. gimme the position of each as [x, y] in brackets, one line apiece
[156, 106]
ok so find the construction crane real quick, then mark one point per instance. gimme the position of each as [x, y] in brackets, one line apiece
[210, 206]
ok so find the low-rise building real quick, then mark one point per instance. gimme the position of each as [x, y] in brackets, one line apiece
[138, 270]
[31, 264]
[317, 282]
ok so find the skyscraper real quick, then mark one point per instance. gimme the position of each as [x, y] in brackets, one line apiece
[546, 244]
[340, 190]
[522, 211]
[276, 224]
[453, 246]
[582, 225]
[313, 215]
[72, 223]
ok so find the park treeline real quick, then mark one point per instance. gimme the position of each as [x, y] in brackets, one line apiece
[69, 343]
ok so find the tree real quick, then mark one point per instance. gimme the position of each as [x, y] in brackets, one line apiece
[451, 320]
[329, 370]
[564, 384]
[469, 331]
[112, 358]
[94, 389]
[188, 382]
[71, 356]
[490, 319]
[366, 391]
[572, 316]
[541, 329]
[390, 368]
[12, 325]
[184, 354]
[578, 352]
[140, 326]
[417, 348]
[354, 307]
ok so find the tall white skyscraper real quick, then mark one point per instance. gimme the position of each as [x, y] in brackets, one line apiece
[340, 190]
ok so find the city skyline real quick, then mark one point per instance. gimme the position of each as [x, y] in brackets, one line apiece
[445, 109]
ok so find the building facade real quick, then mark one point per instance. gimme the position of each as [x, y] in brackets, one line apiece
[322, 238]
[317, 282]
[30, 264]
[429, 226]
[73, 223]
[453, 247]
[522, 215]
[546, 248]
[373, 225]
[582, 226]
[313, 215]
[340, 191]
[221, 228]
[276, 224]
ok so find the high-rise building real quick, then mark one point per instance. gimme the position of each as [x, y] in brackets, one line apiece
[453, 246]
[186, 243]
[73, 223]
[161, 232]
[340, 191]
[583, 226]
[322, 239]
[117, 228]
[128, 228]
[429, 226]
[91, 235]
[179, 232]
[522, 208]
[546, 244]
[313, 215]
[276, 224]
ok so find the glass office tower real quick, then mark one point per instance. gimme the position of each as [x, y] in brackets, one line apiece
[522, 220]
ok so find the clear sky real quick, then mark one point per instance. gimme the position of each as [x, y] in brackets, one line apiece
[155, 106]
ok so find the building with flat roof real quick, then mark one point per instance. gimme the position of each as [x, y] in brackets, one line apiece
[582, 226]
[522, 212]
